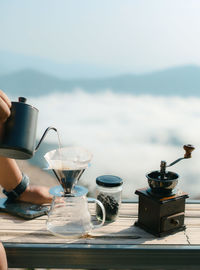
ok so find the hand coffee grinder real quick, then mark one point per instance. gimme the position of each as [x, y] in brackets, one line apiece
[161, 207]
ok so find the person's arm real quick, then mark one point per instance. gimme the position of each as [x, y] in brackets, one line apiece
[10, 174]
[3, 259]
[11, 177]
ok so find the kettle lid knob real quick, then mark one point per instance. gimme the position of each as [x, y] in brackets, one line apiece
[22, 99]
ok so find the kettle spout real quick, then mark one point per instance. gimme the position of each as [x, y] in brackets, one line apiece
[44, 135]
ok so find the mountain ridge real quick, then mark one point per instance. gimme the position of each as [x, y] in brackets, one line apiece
[181, 81]
[12, 62]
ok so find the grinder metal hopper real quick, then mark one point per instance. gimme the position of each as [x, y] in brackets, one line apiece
[68, 164]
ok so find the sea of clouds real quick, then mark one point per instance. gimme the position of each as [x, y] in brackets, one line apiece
[128, 135]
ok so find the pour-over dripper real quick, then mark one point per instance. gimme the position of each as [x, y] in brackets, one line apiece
[68, 164]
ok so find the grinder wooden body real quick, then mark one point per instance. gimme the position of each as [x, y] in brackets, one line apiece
[161, 216]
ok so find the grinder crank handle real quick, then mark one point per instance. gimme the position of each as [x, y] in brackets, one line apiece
[188, 150]
[188, 154]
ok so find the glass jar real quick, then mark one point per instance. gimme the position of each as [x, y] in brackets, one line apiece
[108, 191]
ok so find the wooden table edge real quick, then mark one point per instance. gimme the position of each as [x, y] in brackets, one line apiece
[101, 256]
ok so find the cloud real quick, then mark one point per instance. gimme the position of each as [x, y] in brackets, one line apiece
[128, 135]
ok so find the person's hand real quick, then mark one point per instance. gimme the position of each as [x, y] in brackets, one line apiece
[36, 195]
[5, 106]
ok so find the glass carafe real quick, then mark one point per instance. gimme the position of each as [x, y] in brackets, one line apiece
[69, 216]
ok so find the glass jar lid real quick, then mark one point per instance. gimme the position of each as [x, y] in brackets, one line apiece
[109, 181]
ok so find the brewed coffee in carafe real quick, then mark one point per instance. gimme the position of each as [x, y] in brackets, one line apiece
[68, 164]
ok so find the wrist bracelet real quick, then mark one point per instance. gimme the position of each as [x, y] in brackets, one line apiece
[16, 192]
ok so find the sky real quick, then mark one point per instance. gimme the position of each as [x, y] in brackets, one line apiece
[126, 35]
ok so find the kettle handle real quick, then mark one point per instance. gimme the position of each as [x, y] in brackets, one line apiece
[102, 209]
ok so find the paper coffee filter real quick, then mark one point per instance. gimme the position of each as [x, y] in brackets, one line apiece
[68, 158]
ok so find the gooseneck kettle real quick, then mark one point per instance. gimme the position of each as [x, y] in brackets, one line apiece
[18, 134]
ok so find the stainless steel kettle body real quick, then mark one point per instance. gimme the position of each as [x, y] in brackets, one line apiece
[18, 136]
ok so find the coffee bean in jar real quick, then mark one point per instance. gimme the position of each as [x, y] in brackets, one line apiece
[108, 191]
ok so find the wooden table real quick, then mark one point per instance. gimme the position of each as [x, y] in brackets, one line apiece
[116, 245]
